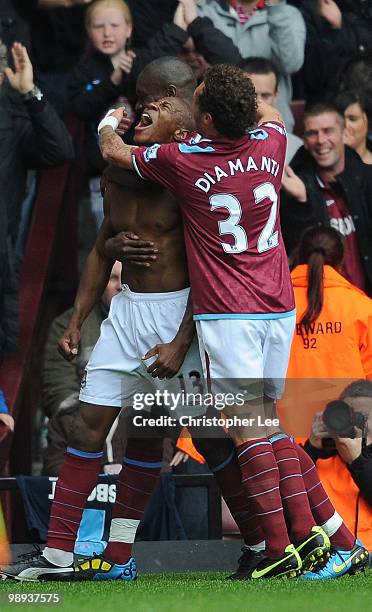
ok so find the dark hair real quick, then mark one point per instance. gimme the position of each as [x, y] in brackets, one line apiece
[319, 246]
[346, 98]
[359, 388]
[260, 65]
[319, 108]
[166, 71]
[230, 98]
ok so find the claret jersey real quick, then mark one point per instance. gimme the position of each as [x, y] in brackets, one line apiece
[228, 191]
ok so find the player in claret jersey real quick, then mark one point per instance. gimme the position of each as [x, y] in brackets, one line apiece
[226, 180]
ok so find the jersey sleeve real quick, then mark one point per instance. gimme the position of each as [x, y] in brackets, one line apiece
[157, 163]
[271, 139]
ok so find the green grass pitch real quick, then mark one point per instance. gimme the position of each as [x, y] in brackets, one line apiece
[201, 592]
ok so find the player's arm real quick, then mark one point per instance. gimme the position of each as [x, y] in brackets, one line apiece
[266, 112]
[93, 282]
[170, 356]
[113, 149]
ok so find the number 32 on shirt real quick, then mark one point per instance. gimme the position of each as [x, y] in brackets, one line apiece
[267, 240]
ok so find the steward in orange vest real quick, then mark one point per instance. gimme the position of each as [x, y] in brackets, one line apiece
[332, 343]
[338, 344]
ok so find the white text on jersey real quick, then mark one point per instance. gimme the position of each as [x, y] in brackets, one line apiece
[267, 164]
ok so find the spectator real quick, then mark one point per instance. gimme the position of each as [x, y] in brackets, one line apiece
[58, 40]
[32, 137]
[325, 300]
[269, 29]
[346, 469]
[336, 32]
[194, 59]
[328, 184]
[264, 75]
[352, 106]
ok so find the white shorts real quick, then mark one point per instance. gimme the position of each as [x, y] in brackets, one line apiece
[233, 351]
[115, 373]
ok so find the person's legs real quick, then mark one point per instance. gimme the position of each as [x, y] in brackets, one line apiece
[276, 352]
[77, 479]
[230, 349]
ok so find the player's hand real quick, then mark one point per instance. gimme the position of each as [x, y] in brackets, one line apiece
[349, 449]
[68, 346]
[294, 185]
[8, 420]
[124, 125]
[318, 431]
[22, 80]
[329, 10]
[179, 17]
[189, 11]
[170, 358]
[178, 457]
[127, 247]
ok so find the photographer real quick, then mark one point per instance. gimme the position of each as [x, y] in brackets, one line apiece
[343, 464]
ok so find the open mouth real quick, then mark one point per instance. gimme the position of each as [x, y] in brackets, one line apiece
[145, 122]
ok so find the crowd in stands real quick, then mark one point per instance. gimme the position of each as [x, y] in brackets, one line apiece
[60, 58]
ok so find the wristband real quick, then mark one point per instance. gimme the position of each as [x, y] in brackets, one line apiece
[108, 120]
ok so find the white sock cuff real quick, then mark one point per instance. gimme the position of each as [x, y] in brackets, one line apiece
[333, 524]
[123, 530]
[108, 120]
[58, 557]
[258, 547]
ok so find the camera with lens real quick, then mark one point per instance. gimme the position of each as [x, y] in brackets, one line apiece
[341, 420]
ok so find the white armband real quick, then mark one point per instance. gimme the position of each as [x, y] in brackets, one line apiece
[108, 120]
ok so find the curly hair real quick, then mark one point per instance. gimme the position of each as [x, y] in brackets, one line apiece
[230, 98]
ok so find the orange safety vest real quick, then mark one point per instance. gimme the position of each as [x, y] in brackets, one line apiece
[345, 496]
[340, 341]
[336, 351]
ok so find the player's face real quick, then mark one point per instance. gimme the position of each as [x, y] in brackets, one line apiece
[265, 86]
[324, 139]
[108, 30]
[356, 124]
[159, 122]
